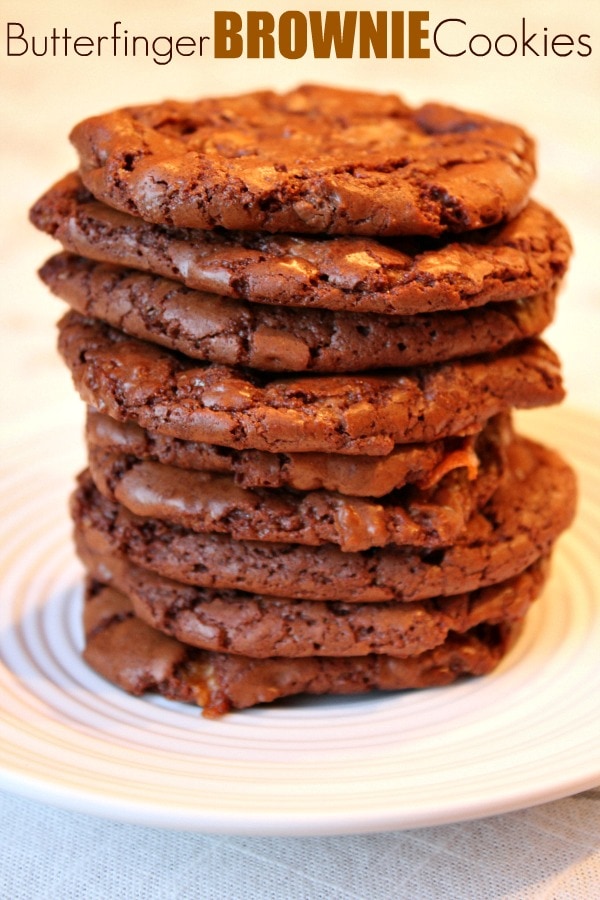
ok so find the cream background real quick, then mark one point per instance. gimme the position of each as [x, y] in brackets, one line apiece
[41, 98]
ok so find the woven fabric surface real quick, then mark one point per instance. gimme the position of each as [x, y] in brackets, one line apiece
[547, 852]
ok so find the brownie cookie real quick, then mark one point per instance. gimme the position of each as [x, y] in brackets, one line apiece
[125, 650]
[316, 159]
[260, 626]
[533, 505]
[362, 414]
[233, 332]
[358, 476]
[213, 502]
[398, 276]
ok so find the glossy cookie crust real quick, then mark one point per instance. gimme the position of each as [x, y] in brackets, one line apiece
[233, 332]
[316, 159]
[521, 258]
[519, 524]
[132, 380]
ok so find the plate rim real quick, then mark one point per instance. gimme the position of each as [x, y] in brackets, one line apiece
[328, 822]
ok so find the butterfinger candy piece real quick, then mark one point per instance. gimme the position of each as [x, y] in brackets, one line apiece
[359, 476]
[210, 502]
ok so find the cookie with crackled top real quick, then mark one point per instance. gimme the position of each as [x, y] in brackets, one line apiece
[138, 658]
[395, 276]
[234, 332]
[315, 159]
[210, 502]
[260, 626]
[519, 524]
[133, 380]
[358, 476]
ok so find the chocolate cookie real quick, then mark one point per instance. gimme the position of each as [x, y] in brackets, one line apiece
[403, 276]
[532, 506]
[260, 626]
[140, 659]
[233, 332]
[315, 159]
[364, 414]
[358, 476]
[213, 502]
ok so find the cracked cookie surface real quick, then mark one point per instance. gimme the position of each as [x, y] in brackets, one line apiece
[396, 276]
[125, 650]
[316, 159]
[233, 332]
[533, 505]
[358, 414]
[261, 626]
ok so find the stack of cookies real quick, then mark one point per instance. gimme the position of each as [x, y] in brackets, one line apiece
[300, 323]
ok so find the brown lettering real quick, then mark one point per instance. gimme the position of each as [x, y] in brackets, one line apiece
[417, 34]
[331, 32]
[228, 41]
[372, 36]
[293, 23]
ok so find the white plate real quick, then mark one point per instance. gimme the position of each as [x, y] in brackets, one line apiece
[530, 732]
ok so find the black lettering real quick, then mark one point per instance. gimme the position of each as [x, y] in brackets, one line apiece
[38, 52]
[11, 37]
[145, 44]
[562, 40]
[84, 41]
[53, 40]
[435, 37]
[161, 58]
[587, 47]
[526, 42]
[502, 37]
[184, 42]
[116, 37]
[486, 39]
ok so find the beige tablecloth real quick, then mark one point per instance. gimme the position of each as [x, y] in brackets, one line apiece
[550, 852]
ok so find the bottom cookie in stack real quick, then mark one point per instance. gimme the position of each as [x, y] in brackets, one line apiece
[124, 649]
[231, 623]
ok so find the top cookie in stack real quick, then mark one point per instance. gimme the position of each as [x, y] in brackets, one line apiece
[300, 322]
[315, 160]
